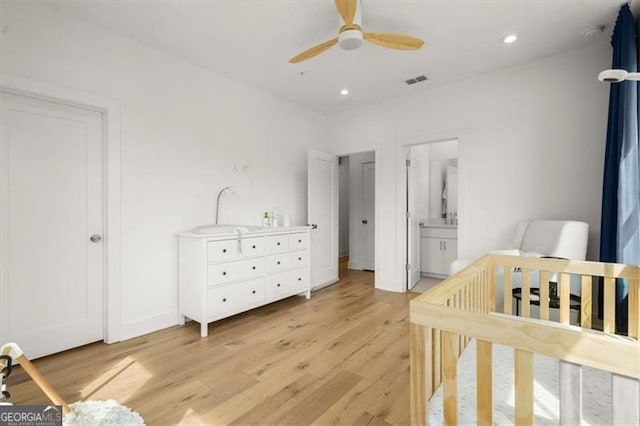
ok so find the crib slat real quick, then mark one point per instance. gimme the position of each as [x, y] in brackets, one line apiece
[508, 300]
[565, 287]
[609, 305]
[449, 372]
[437, 358]
[484, 382]
[491, 290]
[544, 295]
[585, 302]
[634, 308]
[419, 366]
[524, 387]
[570, 393]
[525, 306]
[625, 397]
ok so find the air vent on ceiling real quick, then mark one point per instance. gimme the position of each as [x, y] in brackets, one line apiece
[414, 80]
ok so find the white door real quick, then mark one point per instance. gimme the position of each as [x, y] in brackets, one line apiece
[368, 214]
[322, 176]
[413, 228]
[51, 286]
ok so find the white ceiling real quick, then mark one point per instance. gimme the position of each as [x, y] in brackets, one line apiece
[252, 41]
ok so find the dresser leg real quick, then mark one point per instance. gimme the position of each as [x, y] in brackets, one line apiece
[204, 329]
[308, 294]
[181, 319]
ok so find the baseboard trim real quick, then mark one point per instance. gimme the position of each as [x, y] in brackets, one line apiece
[148, 325]
[321, 286]
[389, 285]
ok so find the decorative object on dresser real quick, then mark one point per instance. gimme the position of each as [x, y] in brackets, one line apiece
[240, 268]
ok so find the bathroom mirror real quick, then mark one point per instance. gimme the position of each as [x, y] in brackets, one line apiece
[443, 188]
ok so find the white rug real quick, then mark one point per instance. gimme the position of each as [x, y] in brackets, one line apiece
[102, 413]
[596, 391]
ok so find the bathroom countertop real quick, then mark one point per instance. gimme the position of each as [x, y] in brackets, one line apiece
[438, 225]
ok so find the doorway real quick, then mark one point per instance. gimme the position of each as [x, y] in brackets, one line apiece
[432, 212]
[53, 210]
[356, 174]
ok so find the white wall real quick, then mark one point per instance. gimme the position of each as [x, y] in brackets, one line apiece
[182, 130]
[343, 205]
[531, 144]
[356, 200]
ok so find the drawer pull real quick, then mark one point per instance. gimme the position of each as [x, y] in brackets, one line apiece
[224, 250]
[299, 279]
[278, 284]
[253, 246]
[253, 267]
[278, 242]
[254, 292]
[278, 262]
[299, 258]
[224, 299]
[299, 241]
[224, 272]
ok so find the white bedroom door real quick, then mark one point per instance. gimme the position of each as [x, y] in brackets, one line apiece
[368, 214]
[51, 286]
[322, 192]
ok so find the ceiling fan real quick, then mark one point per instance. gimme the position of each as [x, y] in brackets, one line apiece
[351, 35]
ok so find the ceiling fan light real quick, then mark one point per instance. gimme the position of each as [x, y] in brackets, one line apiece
[350, 39]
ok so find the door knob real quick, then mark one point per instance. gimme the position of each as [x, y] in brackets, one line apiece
[313, 226]
[95, 238]
[365, 221]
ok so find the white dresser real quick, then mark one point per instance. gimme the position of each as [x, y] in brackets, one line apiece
[224, 274]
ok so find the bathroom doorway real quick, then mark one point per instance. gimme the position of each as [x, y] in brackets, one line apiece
[356, 235]
[432, 212]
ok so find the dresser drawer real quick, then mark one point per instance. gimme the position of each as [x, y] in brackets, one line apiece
[278, 262]
[222, 251]
[241, 269]
[223, 299]
[285, 283]
[276, 244]
[252, 246]
[299, 241]
[298, 259]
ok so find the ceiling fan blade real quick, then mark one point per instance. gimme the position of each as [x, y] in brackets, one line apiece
[347, 9]
[394, 41]
[315, 50]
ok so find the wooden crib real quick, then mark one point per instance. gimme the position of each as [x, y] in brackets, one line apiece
[447, 317]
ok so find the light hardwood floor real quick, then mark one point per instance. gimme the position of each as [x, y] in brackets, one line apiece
[340, 358]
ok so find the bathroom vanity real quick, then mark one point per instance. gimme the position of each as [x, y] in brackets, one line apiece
[438, 248]
[235, 269]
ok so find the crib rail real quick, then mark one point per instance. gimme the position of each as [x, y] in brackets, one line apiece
[463, 307]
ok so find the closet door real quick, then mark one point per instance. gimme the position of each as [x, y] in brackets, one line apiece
[52, 225]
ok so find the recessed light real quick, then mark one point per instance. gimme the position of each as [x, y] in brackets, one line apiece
[508, 39]
[344, 92]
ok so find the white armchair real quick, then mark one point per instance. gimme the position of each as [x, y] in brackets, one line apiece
[552, 238]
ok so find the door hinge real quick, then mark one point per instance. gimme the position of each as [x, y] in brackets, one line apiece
[408, 162]
[408, 215]
[408, 266]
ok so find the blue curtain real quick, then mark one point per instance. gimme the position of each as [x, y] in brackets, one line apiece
[620, 221]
